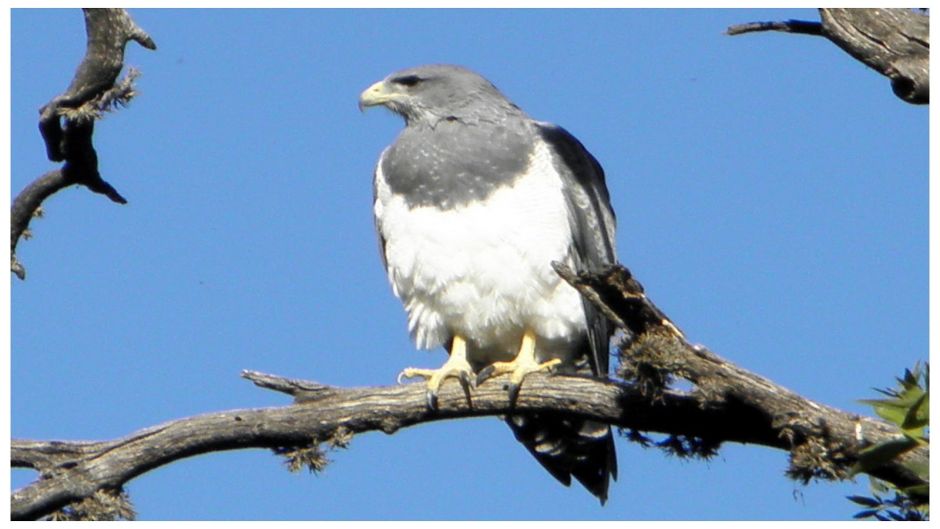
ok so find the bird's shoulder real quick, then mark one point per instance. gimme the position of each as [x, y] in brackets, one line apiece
[585, 186]
[455, 163]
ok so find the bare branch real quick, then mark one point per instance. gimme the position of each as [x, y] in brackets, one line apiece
[28, 202]
[301, 390]
[894, 42]
[727, 404]
[789, 26]
[67, 121]
[822, 440]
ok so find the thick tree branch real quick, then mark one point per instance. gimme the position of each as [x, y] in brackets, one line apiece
[727, 404]
[823, 441]
[894, 42]
[67, 121]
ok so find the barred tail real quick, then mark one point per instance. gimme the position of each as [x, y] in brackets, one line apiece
[569, 446]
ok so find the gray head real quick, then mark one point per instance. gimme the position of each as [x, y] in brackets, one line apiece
[427, 94]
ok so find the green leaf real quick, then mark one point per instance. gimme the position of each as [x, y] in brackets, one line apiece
[878, 487]
[910, 378]
[919, 467]
[917, 490]
[888, 392]
[912, 395]
[881, 453]
[865, 501]
[892, 410]
[918, 415]
[907, 405]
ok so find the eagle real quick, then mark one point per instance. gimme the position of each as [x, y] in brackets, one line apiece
[473, 202]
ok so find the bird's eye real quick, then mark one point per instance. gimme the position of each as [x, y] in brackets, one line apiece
[407, 80]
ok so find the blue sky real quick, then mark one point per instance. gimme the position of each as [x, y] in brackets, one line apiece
[771, 195]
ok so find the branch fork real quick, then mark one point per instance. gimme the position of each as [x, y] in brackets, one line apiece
[67, 121]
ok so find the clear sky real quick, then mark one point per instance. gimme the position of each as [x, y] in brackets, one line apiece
[771, 195]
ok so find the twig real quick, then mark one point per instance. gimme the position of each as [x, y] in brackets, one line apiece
[301, 390]
[788, 26]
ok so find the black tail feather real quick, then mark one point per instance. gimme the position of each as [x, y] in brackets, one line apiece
[569, 446]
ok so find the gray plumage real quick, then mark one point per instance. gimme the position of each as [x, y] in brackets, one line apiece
[449, 159]
[466, 146]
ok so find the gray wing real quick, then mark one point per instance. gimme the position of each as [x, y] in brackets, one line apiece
[593, 224]
[566, 446]
[375, 198]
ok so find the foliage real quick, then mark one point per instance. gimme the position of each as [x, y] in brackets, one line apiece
[882, 506]
[907, 406]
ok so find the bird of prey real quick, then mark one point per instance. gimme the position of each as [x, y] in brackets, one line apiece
[473, 202]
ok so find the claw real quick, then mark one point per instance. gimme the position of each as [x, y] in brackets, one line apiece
[413, 372]
[455, 367]
[485, 374]
[520, 366]
[513, 390]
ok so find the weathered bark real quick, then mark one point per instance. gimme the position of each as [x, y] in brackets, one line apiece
[824, 442]
[67, 121]
[893, 42]
[727, 404]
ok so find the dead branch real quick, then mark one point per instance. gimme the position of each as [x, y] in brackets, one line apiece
[893, 42]
[823, 441]
[727, 404]
[67, 121]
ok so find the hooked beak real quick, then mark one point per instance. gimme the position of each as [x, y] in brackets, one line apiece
[377, 94]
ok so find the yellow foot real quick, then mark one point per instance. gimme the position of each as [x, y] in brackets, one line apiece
[456, 366]
[520, 366]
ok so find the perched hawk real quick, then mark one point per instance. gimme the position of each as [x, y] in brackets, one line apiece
[473, 202]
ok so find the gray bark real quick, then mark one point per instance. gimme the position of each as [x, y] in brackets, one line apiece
[67, 121]
[893, 42]
[727, 404]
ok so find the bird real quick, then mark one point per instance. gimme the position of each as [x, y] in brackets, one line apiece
[473, 202]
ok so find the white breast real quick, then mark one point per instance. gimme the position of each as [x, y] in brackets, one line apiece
[484, 270]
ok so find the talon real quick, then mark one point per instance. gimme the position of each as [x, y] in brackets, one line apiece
[413, 372]
[519, 367]
[513, 390]
[484, 374]
[466, 381]
[456, 366]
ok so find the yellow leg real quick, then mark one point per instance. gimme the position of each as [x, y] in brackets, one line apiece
[519, 367]
[456, 366]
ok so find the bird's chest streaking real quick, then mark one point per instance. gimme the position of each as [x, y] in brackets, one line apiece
[477, 262]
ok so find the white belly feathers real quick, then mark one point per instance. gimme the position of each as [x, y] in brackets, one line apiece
[483, 270]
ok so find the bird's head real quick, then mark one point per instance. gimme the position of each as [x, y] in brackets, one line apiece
[434, 92]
